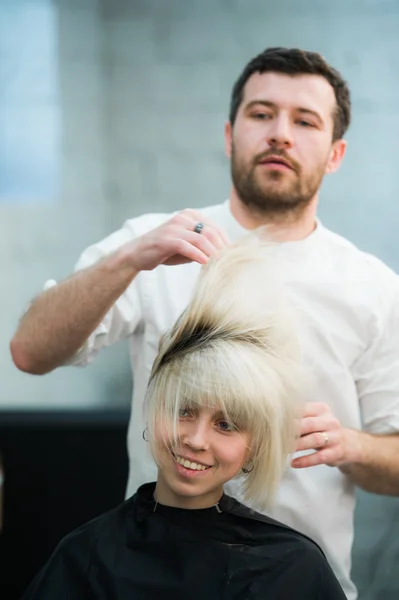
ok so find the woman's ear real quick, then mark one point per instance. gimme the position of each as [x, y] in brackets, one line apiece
[248, 463]
[248, 467]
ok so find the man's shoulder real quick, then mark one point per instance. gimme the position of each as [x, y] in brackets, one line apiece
[352, 258]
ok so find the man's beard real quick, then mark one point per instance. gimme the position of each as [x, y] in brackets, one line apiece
[276, 193]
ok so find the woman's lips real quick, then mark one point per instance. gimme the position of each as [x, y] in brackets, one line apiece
[189, 468]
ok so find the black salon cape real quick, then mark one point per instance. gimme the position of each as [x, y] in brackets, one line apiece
[137, 553]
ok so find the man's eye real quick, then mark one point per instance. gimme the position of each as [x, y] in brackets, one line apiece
[305, 123]
[261, 116]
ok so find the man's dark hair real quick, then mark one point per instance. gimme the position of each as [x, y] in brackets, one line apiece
[293, 61]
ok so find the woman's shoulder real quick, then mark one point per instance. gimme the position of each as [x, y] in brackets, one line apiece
[263, 529]
[67, 572]
[111, 525]
[279, 558]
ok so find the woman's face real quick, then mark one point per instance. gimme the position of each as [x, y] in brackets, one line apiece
[209, 452]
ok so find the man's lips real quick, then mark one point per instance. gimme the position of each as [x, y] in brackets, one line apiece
[276, 161]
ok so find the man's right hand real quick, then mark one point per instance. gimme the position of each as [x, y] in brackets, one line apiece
[62, 318]
[175, 242]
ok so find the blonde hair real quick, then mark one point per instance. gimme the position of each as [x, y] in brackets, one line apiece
[235, 348]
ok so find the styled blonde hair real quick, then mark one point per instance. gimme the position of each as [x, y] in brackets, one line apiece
[235, 348]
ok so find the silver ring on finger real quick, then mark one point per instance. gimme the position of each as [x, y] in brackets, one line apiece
[198, 228]
[326, 438]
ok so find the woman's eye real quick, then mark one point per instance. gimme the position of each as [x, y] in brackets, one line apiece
[184, 412]
[226, 426]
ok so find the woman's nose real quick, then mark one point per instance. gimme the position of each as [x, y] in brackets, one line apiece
[196, 435]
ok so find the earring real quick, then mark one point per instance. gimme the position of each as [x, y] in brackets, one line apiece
[144, 432]
[247, 470]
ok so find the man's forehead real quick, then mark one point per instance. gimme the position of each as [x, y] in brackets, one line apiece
[291, 91]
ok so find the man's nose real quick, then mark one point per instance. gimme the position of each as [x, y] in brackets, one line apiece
[280, 134]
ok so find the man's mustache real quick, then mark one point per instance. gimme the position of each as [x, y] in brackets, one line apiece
[277, 153]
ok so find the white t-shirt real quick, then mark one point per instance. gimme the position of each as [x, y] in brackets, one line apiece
[349, 301]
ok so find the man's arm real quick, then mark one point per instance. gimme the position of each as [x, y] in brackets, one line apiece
[62, 318]
[378, 469]
[371, 461]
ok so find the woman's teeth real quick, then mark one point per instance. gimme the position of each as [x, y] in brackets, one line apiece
[190, 465]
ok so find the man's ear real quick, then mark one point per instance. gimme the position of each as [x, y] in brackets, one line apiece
[228, 138]
[336, 157]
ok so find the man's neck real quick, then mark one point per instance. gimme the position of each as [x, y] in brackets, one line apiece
[289, 227]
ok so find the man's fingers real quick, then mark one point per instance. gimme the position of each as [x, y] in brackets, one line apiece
[323, 423]
[319, 439]
[215, 236]
[176, 241]
[315, 409]
[188, 251]
[214, 233]
[199, 241]
[325, 456]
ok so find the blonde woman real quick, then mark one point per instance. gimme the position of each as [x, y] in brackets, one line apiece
[222, 403]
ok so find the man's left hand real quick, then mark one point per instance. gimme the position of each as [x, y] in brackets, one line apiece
[321, 431]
